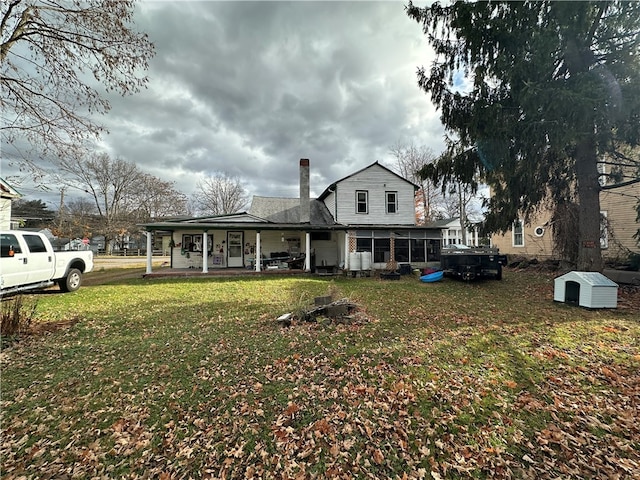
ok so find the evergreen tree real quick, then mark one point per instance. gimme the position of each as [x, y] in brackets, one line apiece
[33, 213]
[554, 91]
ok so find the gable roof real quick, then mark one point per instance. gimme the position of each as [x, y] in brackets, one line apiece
[7, 191]
[331, 187]
[287, 210]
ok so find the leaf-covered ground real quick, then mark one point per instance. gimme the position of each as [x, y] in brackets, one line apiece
[195, 378]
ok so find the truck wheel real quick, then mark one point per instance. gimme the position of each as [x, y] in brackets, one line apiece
[72, 281]
[499, 274]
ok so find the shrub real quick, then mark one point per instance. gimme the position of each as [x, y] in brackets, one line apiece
[634, 261]
[16, 314]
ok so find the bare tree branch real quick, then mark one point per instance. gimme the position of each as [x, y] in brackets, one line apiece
[220, 194]
[46, 50]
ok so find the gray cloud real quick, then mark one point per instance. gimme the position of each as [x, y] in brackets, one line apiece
[248, 88]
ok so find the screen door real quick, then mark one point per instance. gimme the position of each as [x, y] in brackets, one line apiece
[234, 249]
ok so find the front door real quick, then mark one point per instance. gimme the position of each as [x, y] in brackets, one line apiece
[235, 241]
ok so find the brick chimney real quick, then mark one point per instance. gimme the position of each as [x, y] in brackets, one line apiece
[305, 202]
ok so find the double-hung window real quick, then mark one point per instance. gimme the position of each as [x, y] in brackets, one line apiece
[362, 201]
[392, 202]
[518, 233]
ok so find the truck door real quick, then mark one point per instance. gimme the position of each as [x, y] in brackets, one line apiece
[13, 262]
[40, 260]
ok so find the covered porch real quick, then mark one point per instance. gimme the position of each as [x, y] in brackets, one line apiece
[196, 249]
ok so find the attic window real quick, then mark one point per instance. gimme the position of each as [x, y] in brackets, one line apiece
[362, 201]
[392, 202]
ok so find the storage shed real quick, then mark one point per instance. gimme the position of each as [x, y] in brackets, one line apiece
[586, 289]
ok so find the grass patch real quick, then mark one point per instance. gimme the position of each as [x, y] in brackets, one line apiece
[173, 378]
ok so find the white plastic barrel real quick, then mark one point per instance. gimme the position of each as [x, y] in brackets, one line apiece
[355, 261]
[365, 260]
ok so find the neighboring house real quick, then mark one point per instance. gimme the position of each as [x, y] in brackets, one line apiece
[370, 211]
[618, 210]
[452, 232]
[7, 194]
[534, 239]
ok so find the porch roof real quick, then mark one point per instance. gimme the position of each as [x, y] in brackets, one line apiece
[248, 221]
[257, 226]
[301, 227]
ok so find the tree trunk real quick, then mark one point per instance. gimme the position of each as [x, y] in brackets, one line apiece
[463, 213]
[589, 252]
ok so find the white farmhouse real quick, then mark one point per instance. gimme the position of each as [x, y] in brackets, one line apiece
[370, 212]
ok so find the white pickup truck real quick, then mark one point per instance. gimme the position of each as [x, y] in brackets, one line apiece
[27, 261]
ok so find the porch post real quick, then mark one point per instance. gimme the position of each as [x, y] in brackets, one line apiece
[307, 254]
[205, 242]
[149, 251]
[346, 250]
[258, 257]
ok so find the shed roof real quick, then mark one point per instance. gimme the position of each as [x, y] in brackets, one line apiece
[589, 278]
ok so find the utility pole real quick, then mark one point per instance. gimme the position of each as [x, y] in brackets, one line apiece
[61, 210]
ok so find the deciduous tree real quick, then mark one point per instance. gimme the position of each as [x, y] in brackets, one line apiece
[110, 183]
[54, 57]
[33, 213]
[121, 193]
[220, 194]
[157, 199]
[410, 159]
[554, 90]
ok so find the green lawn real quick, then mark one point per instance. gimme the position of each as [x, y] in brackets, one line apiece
[194, 378]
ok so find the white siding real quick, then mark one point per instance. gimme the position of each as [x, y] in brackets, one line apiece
[376, 181]
[330, 202]
[5, 213]
[604, 297]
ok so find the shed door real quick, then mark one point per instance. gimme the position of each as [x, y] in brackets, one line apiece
[235, 241]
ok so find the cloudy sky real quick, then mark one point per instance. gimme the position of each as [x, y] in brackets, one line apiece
[249, 88]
